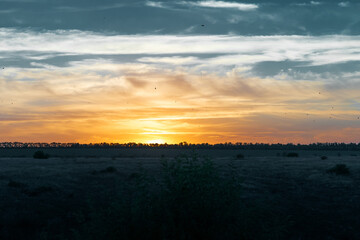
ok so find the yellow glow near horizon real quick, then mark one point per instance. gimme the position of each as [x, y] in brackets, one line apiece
[158, 141]
[183, 107]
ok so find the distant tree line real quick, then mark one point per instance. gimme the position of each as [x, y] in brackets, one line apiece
[185, 145]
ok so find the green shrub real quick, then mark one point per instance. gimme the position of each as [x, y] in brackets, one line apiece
[192, 199]
[41, 155]
[339, 169]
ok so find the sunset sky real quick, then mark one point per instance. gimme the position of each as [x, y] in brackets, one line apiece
[172, 71]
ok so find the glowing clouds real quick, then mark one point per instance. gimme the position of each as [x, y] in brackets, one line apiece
[177, 88]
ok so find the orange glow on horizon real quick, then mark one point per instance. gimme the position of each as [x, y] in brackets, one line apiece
[183, 107]
[156, 141]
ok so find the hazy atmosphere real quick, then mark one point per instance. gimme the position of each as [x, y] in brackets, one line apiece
[172, 71]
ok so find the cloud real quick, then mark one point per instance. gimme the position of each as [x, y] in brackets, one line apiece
[344, 4]
[312, 58]
[170, 60]
[222, 4]
[198, 88]
[87, 8]
[311, 3]
[105, 100]
[235, 50]
[154, 4]
[7, 11]
[315, 3]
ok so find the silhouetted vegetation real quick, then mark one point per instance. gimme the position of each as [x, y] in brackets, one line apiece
[110, 169]
[292, 154]
[38, 191]
[324, 157]
[14, 184]
[239, 156]
[191, 200]
[185, 145]
[41, 155]
[339, 169]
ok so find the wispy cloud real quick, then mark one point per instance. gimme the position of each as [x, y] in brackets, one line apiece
[155, 4]
[197, 88]
[7, 11]
[86, 8]
[170, 60]
[136, 100]
[315, 3]
[311, 3]
[344, 4]
[233, 49]
[83, 86]
[223, 4]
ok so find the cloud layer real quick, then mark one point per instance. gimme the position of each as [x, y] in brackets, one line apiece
[222, 4]
[230, 50]
[90, 87]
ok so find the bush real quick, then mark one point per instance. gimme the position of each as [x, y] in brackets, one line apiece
[292, 154]
[110, 169]
[240, 156]
[41, 155]
[339, 169]
[38, 191]
[191, 200]
[323, 157]
[15, 184]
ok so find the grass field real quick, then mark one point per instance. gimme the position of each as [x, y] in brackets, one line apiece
[76, 194]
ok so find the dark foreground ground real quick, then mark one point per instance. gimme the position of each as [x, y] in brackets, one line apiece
[44, 198]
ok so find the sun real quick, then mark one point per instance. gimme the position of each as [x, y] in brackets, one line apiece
[158, 141]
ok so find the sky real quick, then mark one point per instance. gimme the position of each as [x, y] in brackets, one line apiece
[281, 71]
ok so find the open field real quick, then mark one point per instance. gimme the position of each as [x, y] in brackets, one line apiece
[43, 196]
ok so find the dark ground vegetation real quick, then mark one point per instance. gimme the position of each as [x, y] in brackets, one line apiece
[260, 195]
[41, 155]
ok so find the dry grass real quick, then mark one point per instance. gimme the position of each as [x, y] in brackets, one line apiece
[320, 205]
